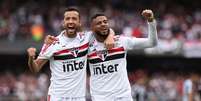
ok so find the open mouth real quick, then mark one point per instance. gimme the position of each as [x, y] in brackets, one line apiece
[71, 28]
[104, 30]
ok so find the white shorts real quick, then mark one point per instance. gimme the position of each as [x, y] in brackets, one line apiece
[111, 98]
[55, 98]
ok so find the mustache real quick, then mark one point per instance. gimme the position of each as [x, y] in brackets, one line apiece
[77, 27]
[102, 35]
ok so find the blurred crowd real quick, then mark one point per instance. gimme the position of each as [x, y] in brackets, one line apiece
[155, 86]
[179, 24]
[23, 87]
[164, 86]
[179, 32]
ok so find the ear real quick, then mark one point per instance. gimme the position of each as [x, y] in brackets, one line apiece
[80, 25]
[63, 24]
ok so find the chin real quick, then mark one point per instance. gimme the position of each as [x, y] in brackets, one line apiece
[104, 33]
[71, 33]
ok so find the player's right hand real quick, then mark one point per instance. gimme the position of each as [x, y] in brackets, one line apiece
[50, 39]
[31, 52]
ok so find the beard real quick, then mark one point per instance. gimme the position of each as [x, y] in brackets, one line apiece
[101, 34]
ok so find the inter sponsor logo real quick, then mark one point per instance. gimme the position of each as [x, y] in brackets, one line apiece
[73, 66]
[105, 69]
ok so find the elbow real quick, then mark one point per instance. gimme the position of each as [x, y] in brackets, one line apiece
[33, 70]
[153, 43]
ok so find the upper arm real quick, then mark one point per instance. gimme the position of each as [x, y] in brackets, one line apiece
[137, 43]
[140, 43]
[133, 43]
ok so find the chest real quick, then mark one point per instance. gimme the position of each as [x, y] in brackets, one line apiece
[70, 49]
[98, 53]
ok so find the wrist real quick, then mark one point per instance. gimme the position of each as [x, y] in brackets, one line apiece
[150, 19]
[32, 57]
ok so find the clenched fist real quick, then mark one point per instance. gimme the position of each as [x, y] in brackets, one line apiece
[148, 15]
[31, 52]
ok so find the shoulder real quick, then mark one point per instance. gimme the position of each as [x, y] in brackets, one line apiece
[85, 33]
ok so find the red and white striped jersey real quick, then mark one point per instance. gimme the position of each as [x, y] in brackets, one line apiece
[108, 69]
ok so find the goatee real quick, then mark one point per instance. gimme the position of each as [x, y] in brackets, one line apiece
[102, 35]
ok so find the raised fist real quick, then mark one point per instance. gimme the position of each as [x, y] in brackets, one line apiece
[31, 51]
[148, 15]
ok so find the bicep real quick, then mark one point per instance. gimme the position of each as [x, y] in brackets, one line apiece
[140, 43]
[136, 43]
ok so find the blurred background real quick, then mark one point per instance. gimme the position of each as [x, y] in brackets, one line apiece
[155, 74]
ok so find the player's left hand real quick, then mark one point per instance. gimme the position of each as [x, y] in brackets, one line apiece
[109, 42]
[50, 39]
[31, 51]
[148, 15]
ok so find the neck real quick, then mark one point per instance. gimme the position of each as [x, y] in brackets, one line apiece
[70, 35]
[100, 38]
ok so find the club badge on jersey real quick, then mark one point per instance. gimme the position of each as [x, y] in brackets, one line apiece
[98, 53]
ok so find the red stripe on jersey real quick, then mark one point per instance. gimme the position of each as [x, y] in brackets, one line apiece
[92, 55]
[113, 50]
[48, 98]
[84, 46]
[61, 52]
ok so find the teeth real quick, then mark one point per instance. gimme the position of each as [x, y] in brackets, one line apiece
[71, 28]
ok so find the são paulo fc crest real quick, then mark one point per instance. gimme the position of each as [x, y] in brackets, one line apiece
[102, 54]
[74, 51]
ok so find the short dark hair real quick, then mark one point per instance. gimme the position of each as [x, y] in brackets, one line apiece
[72, 9]
[97, 15]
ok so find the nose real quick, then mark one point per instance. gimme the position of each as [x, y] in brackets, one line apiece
[70, 21]
[103, 24]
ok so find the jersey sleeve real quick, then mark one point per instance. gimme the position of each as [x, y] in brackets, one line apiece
[46, 52]
[128, 42]
[141, 43]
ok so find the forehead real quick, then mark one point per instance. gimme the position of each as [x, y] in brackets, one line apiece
[100, 18]
[71, 13]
